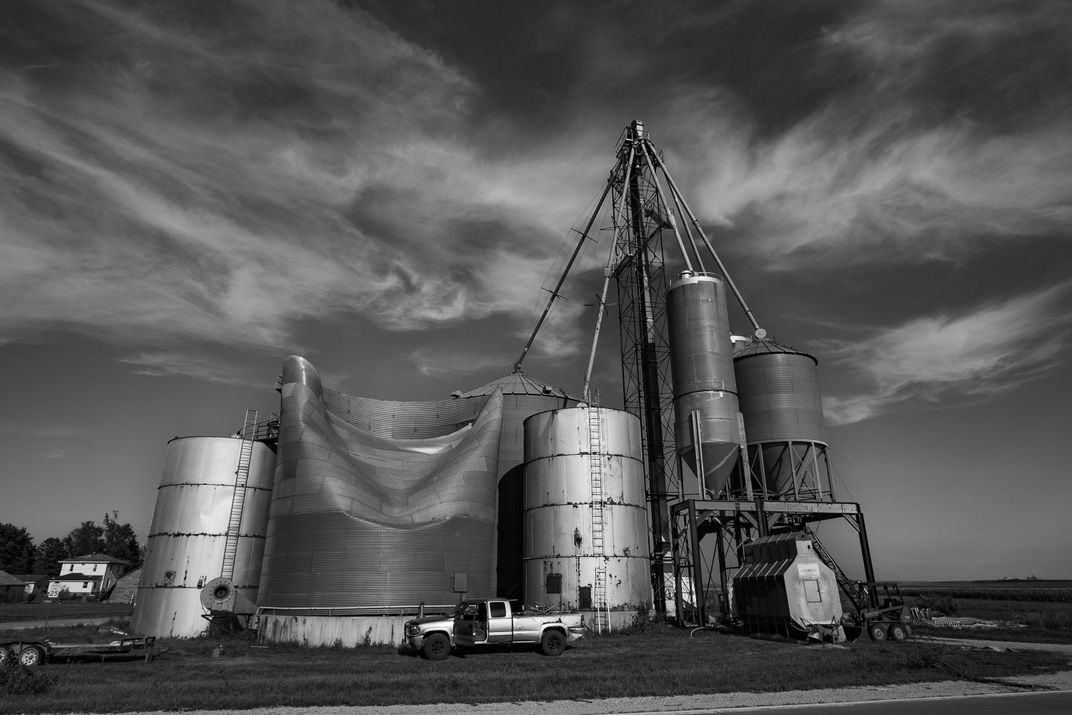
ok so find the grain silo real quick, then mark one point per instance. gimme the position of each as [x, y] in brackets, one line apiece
[585, 522]
[706, 424]
[189, 544]
[778, 389]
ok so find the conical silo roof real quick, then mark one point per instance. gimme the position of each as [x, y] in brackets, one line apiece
[517, 383]
[767, 346]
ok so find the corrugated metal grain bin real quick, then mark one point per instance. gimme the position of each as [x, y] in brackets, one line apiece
[778, 389]
[382, 506]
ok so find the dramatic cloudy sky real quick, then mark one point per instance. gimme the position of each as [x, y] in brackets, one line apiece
[190, 191]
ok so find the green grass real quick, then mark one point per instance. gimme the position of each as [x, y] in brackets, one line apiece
[71, 609]
[658, 661]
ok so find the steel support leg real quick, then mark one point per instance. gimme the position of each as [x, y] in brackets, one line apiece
[865, 552]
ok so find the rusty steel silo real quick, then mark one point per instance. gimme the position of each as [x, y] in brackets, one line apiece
[585, 519]
[706, 425]
[778, 389]
[188, 535]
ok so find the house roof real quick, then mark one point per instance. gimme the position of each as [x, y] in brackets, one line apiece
[7, 579]
[94, 559]
[32, 577]
[75, 576]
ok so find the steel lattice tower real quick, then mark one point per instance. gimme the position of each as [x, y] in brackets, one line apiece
[640, 278]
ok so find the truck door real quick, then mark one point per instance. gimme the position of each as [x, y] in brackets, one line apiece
[472, 622]
[500, 623]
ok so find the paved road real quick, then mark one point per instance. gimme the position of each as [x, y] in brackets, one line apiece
[997, 704]
[942, 698]
[998, 645]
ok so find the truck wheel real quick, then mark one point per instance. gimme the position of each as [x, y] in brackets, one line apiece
[877, 632]
[436, 647]
[553, 642]
[898, 632]
[5, 657]
[31, 656]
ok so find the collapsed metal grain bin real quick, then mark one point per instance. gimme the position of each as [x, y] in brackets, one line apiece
[706, 427]
[778, 389]
[188, 534]
[379, 504]
[585, 521]
[784, 588]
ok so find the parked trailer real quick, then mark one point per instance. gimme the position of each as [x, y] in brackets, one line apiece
[32, 653]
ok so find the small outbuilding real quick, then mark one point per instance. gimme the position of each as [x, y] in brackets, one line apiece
[36, 585]
[11, 588]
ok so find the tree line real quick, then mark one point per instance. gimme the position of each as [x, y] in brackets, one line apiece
[19, 554]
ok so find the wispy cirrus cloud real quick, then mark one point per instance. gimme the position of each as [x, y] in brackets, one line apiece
[453, 362]
[23, 430]
[198, 366]
[952, 359]
[949, 133]
[225, 177]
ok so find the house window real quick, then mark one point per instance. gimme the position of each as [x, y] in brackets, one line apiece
[85, 584]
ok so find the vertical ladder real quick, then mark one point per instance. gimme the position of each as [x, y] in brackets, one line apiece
[234, 524]
[599, 588]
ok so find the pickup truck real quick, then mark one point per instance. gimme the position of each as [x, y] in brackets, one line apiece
[431, 635]
[484, 623]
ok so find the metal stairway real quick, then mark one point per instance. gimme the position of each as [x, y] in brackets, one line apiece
[234, 524]
[853, 589]
[599, 588]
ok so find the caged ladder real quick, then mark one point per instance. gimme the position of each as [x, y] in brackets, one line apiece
[595, 458]
[238, 502]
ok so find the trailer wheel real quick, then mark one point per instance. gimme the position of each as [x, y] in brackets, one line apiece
[877, 632]
[31, 656]
[898, 632]
[553, 642]
[436, 647]
[5, 657]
